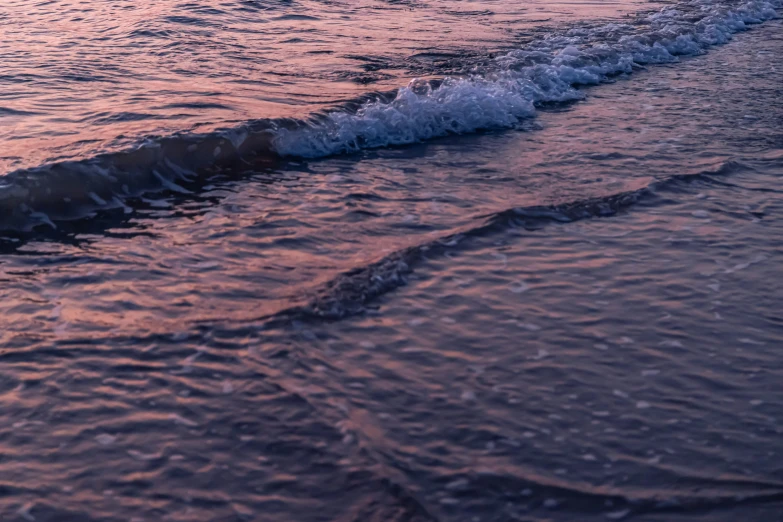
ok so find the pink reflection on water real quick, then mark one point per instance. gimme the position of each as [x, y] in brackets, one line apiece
[77, 78]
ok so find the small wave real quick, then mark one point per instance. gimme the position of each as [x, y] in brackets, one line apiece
[549, 70]
[619, 503]
[349, 293]
[297, 17]
[7, 111]
[74, 189]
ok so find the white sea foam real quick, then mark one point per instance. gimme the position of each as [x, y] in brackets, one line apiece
[550, 70]
[459, 105]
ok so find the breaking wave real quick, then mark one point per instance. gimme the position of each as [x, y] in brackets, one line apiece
[547, 71]
[550, 70]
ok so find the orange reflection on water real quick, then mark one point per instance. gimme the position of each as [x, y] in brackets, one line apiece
[77, 78]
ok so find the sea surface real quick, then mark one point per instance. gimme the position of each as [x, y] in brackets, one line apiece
[391, 261]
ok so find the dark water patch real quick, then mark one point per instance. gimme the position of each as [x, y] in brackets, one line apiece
[541, 493]
[297, 17]
[5, 111]
[107, 119]
[190, 20]
[196, 105]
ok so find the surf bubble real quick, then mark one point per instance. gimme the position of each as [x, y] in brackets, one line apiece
[548, 70]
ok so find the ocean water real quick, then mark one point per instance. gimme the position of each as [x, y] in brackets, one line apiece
[391, 261]
[80, 78]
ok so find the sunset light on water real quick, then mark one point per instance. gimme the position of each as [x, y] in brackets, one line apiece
[391, 261]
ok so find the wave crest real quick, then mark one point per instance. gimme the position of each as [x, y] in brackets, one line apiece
[549, 70]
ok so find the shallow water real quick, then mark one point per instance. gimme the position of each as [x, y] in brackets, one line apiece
[77, 78]
[576, 319]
